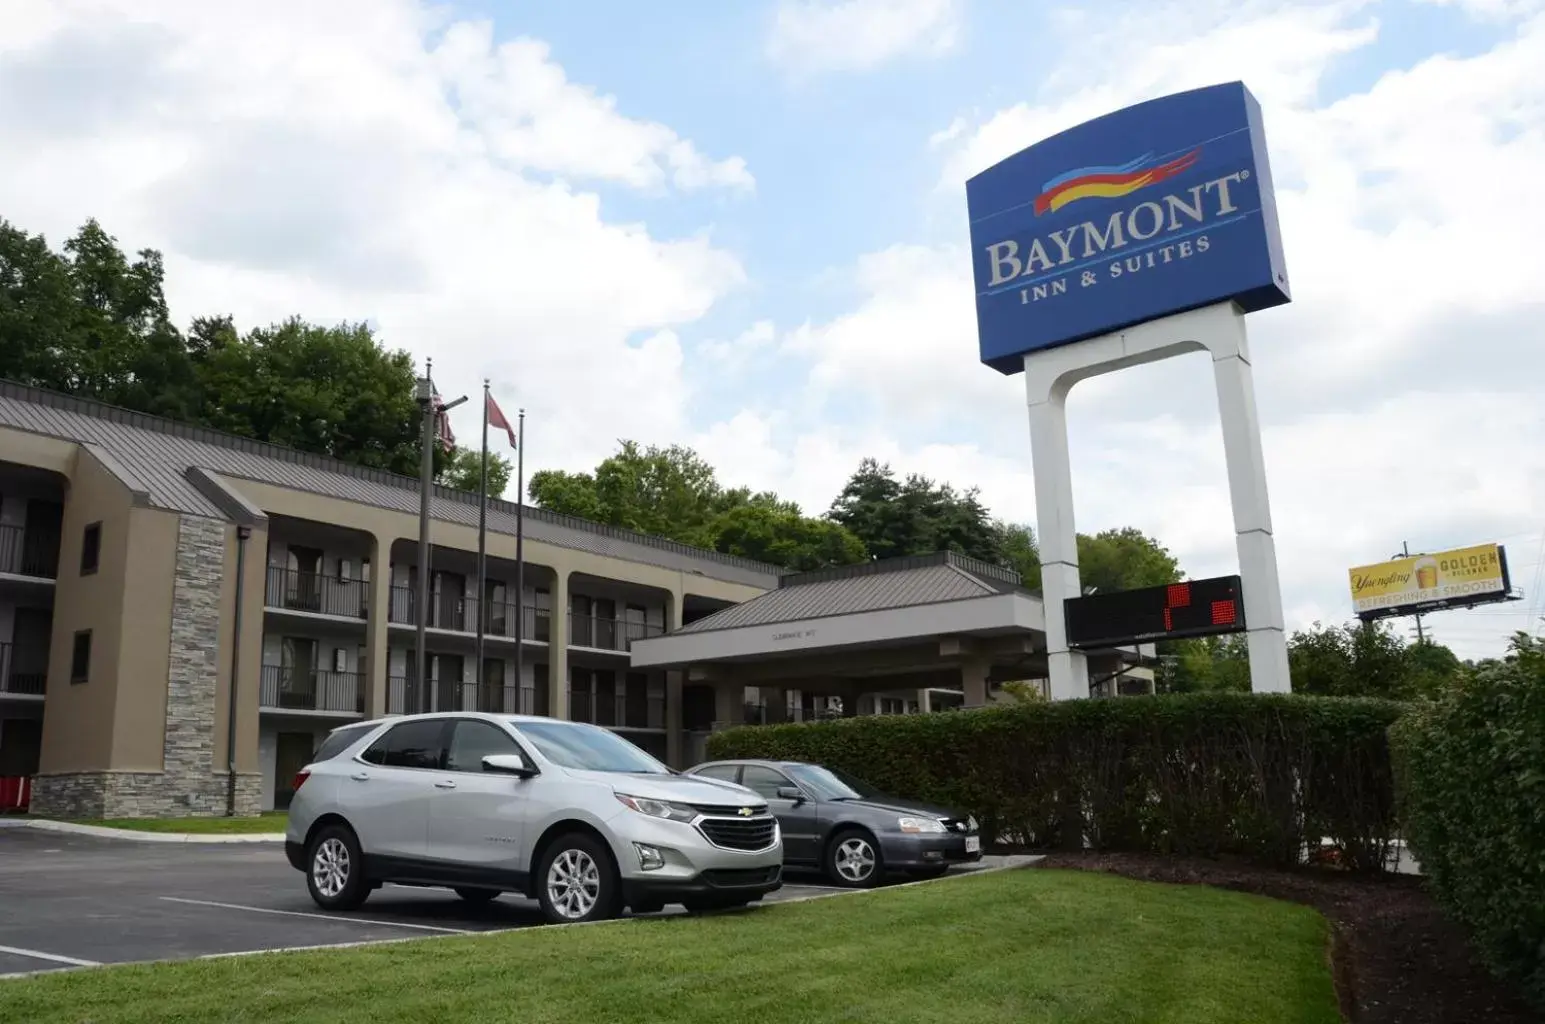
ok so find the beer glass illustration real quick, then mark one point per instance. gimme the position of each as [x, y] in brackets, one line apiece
[1426, 573]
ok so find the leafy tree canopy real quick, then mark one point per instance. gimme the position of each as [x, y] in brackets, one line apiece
[672, 492]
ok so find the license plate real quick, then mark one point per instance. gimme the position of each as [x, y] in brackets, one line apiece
[973, 844]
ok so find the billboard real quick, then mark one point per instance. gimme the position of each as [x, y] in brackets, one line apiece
[1151, 210]
[1447, 579]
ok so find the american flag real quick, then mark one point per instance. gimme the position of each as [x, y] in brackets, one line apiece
[443, 423]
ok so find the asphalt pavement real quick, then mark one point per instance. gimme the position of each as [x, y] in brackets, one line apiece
[73, 901]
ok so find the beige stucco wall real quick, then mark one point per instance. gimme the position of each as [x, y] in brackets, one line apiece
[115, 719]
[38, 451]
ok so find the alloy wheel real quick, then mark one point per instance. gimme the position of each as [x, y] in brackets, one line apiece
[330, 867]
[573, 884]
[855, 859]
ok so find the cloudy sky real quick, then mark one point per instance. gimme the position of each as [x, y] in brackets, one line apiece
[742, 226]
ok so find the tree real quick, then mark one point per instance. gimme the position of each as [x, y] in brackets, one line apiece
[915, 516]
[330, 390]
[1124, 559]
[570, 494]
[783, 537]
[673, 492]
[1020, 552]
[89, 322]
[463, 470]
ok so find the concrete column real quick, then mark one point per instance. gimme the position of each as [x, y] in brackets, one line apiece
[729, 704]
[776, 700]
[973, 680]
[1246, 462]
[558, 648]
[673, 713]
[1055, 533]
[673, 684]
[377, 630]
[924, 701]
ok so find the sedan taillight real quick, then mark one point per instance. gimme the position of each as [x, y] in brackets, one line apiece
[300, 778]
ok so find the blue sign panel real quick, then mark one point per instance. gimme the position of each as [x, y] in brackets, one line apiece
[1156, 209]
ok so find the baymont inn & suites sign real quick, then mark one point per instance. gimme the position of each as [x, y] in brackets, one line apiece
[1156, 209]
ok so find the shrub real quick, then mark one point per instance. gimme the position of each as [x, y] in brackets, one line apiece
[1471, 771]
[1257, 776]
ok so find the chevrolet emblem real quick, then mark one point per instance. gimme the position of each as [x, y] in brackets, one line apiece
[745, 812]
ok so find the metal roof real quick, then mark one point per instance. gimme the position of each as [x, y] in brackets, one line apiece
[875, 586]
[156, 453]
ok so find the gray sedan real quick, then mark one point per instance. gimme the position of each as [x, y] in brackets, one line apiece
[842, 826]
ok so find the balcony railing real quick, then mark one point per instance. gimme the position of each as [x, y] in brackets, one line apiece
[460, 614]
[23, 672]
[316, 592]
[629, 710]
[302, 689]
[29, 552]
[608, 634]
[403, 697]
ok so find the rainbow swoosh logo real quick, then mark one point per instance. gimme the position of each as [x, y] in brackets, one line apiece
[1109, 182]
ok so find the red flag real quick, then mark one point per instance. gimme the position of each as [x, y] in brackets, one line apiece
[496, 419]
[443, 424]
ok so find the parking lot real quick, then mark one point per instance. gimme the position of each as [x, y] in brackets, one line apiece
[72, 901]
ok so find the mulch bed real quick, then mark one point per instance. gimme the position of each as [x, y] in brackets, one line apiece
[1398, 960]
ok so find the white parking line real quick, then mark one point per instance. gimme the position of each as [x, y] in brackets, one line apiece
[55, 957]
[319, 917]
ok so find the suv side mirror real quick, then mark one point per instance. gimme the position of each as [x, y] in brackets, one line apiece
[508, 764]
[791, 793]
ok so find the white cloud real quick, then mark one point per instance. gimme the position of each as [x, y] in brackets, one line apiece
[859, 35]
[372, 158]
[1398, 395]
[736, 354]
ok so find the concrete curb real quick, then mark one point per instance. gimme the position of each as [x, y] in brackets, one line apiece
[135, 836]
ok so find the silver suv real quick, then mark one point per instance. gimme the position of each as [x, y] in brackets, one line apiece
[569, 814]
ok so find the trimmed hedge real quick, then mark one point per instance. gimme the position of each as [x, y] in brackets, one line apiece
[1471, 771]
[1255, 776]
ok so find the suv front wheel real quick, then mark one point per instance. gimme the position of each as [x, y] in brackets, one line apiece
[577, 881]
[335, 869]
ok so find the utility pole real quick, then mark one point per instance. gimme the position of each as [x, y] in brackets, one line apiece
[1421, 637]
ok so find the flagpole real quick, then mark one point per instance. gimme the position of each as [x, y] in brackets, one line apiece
[482, 549]
[520, 559]
[426, 470]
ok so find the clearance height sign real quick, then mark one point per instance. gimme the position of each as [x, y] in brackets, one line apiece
[1473, 575]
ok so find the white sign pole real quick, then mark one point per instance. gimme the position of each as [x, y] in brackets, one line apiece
[1051, 373]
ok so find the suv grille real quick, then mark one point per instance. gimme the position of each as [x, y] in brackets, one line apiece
[749, 834]
[728, 810]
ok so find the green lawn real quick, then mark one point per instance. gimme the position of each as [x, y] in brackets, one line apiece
[1018, 946]
[272, 822]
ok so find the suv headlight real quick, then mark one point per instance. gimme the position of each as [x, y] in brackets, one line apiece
[657, 808]
[920, 824]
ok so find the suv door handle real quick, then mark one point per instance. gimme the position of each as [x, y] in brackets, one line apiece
[360, 776]
[446, 784]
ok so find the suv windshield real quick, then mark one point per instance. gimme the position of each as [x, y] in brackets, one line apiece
[828, 784]
[589, 748]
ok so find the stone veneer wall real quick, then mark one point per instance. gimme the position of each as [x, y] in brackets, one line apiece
[189, 783]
